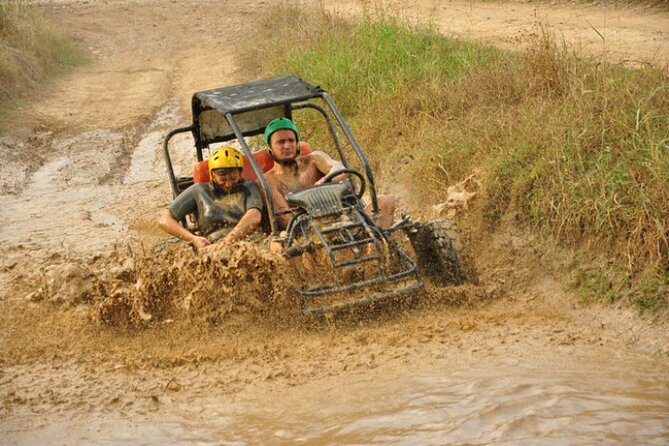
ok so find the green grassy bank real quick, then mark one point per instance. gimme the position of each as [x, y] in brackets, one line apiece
[574, 150]
[32, 51]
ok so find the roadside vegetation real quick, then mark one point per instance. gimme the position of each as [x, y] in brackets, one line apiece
[574, 150]
[32, 51]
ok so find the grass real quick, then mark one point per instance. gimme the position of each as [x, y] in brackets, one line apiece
[32, 51]
[573, 149]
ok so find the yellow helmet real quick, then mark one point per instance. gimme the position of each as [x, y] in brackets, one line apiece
[225, 158]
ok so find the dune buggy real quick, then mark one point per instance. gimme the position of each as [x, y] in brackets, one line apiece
[363, 262]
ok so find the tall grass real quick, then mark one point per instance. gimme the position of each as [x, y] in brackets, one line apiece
[573, 149]
[32, 50]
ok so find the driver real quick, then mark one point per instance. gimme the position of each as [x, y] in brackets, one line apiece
[291, 173]
[228, 205]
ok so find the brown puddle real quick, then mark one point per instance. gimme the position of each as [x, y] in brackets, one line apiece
[560, 397]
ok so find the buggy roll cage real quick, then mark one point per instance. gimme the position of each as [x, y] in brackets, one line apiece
[237, 111]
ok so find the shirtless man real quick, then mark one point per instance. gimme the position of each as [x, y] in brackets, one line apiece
[291, 173]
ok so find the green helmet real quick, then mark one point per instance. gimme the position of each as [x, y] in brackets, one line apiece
[280, 124]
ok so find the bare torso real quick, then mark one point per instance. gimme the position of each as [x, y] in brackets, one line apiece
[305, 174]
[307, 171]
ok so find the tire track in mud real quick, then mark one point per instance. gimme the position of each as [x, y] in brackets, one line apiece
[83, 193]
[68, 205]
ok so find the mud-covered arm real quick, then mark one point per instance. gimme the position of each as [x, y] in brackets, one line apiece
[171, 225]
[326, 164]
[182, 205]
[246, 225]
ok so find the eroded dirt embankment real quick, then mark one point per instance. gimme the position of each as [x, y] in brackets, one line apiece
[92, 317]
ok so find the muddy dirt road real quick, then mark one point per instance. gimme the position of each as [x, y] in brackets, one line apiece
[514, 359]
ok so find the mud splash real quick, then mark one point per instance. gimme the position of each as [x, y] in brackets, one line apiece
[134, 289]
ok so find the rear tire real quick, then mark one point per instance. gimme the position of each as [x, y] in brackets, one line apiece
[439, 247]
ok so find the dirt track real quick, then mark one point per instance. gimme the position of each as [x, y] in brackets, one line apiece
[632, 36]
[82, 184]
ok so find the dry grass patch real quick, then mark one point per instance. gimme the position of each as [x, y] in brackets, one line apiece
[32, 50]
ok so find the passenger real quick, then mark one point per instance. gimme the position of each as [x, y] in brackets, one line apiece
[291, 173]
[227, 205]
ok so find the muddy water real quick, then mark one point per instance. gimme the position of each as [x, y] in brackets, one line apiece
[563, 397]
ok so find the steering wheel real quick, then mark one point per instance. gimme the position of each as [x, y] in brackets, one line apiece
[358, 193]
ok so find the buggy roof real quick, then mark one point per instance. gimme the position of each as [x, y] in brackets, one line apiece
[253, 95]
[253, 105]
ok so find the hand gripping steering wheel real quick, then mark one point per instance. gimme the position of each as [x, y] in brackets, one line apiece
[358, 193]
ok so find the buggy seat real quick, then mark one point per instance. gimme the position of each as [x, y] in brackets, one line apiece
[264, 160]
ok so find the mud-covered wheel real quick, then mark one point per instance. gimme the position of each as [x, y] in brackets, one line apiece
[439, 247]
